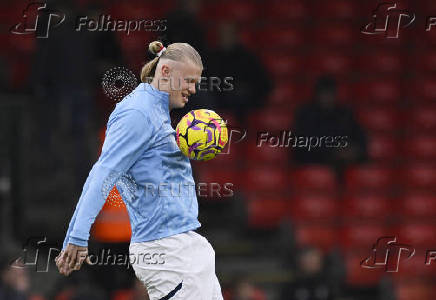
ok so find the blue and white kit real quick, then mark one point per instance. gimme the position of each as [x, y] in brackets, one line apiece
[140, 152]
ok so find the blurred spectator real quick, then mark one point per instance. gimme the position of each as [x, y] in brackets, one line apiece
[183, 26]
[311, 282]
[245, 290]
[138, 292]
[324, 117]
[14, 281]
[251, 83]
[67, 70]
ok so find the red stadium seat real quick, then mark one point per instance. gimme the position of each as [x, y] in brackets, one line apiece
[359, 236]
[323, 236]
[383, 148]
[419, 177]
[208, 174]
[283, 65]
[422, 119]
[427, 61]
[333, 34]
[422, 89]
[265, 154]
[310, 208]
[379, 119]
[273, 119]
[419, 234]
[367, 206]
[314, 179]
[420, 148]
[263, 179]
[358, 276]
[413, 289]
[369, 178]
[265, 212]
[334, 9]
[280, 37]
[240, 11]
[324, 61]
[418, 205]
[278, 10]
[387, 91]
[288, 94]
[384, 62]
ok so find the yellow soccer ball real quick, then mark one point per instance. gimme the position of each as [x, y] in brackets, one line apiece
[201, 134]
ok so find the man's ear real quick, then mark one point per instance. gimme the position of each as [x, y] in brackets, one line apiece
[165, 69]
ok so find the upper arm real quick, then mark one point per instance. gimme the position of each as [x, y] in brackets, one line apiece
[127, 136]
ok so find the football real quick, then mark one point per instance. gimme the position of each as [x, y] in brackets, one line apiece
[201, 134]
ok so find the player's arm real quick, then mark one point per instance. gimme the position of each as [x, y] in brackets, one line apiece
[127, 136]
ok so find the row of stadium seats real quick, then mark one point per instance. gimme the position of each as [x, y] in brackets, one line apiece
[383, 62]
[307, 209]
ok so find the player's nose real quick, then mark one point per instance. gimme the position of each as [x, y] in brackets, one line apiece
[192, 89]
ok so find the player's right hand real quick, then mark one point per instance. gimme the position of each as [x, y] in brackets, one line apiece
[71, 259]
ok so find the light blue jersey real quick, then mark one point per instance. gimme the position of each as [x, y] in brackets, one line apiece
[140, 156]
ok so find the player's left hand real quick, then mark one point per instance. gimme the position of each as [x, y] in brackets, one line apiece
[71, 259]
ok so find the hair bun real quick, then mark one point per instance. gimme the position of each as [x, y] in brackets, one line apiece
[155, 47]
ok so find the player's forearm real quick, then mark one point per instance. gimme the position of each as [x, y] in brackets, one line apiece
[90, 204]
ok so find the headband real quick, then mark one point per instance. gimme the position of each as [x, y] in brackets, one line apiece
[162, 50]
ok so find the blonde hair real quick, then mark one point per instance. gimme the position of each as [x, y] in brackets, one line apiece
[175, 51]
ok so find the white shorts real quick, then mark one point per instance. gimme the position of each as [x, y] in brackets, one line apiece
[181, 266]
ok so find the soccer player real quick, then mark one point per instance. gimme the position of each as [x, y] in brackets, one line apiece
[139, 152]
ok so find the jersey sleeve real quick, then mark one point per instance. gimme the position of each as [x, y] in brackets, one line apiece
[128, 135]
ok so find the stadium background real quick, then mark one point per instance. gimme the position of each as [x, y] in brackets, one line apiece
[286, 214]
